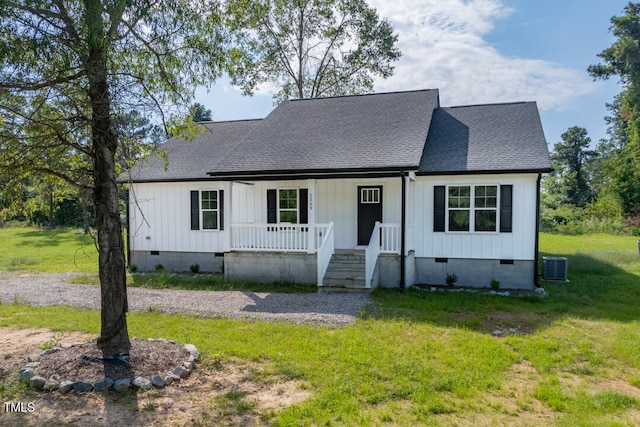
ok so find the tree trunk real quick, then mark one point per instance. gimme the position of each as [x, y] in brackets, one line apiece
[85, 211]
[51, 222]
[114, 336]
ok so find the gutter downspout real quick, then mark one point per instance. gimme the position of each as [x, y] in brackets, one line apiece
[403, 220]
[127, 229]
[535, 266]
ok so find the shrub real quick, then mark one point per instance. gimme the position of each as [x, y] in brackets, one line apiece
[495, 284]
[451, 279]
[195, 268]
[159, 268]
[133, 268]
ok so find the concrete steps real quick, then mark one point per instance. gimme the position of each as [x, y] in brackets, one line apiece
[346, 272]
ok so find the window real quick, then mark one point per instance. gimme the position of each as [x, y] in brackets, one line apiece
[369, 195]
[486, 206]
[459, 205]
[288, 205]
[209, 209]
[472, 208]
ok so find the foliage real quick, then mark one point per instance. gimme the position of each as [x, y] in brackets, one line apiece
[199, 113]
[311, 48]
[621, 163]
[451, 279]
[195, 268]
[494, 284]
[68, 69]
[571, 158]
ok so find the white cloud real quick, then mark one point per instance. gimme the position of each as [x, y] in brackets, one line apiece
[443, 47]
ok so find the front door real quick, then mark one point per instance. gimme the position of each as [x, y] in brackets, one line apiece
[369, 211]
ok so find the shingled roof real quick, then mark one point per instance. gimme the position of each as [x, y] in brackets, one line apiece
[486, 138]
[191, 160]
[363, 133]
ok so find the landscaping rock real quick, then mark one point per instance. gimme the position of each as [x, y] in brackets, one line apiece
[37, 382]
[122, 386]
[189, 365]
[50, 351]
[182, 372]
[82, 387]
[541, 292]
[143, 383]
[170, 378]
[66, 387]
[104, 385]
[195, 354]
[51, 384]
[157, 381]
[26, 374]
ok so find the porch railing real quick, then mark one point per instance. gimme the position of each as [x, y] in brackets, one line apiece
[371, 254]
[277, 237]
[389, 238]
[325, 251]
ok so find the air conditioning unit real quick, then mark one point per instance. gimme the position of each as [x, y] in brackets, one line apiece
[554, 268]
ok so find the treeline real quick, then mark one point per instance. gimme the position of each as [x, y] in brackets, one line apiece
[598, 190]
[44, 200]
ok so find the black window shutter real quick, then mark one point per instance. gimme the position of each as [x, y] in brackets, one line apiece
[439, 210]
[221, 201]
[272, 206]
[195, 210]
[304, 205]
[506, 210]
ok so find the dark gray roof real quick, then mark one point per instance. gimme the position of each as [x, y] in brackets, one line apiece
[363, 132]
[486, 138]
[377, 132]
[191, 160]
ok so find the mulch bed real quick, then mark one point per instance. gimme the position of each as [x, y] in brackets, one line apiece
[146, 359]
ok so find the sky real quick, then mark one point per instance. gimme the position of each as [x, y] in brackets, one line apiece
[486, 51]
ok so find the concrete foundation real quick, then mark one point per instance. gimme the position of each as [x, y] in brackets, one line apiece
[268, 267]
[176, 261]
[476, 273]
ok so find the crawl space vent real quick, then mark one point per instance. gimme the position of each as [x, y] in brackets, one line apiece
[554, 268]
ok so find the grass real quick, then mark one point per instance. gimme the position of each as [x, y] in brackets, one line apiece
[197, 282]
[47, 251]
[422, 358]
[68, 250]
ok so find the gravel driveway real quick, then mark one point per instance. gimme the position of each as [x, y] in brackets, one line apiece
[327, 308]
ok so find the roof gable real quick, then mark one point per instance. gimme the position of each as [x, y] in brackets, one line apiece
[486, 138]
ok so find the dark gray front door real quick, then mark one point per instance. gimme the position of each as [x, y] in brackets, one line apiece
[369, 211]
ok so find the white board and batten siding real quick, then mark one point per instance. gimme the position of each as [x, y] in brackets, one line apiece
[160, 218]
[516, 245]
[335, 200]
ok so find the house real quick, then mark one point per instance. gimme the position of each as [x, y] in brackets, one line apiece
[386, 189]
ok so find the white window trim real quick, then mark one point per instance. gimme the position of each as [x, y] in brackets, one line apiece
[217, 210]
[297, 209]
[472, 209]
[374, 195]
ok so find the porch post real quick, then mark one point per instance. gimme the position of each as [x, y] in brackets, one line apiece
[228, 217]
[311, 237]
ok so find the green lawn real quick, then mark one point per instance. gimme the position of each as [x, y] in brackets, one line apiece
[422, 358]
[33, 249]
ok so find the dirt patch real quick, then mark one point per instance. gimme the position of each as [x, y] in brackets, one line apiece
[219, 392]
